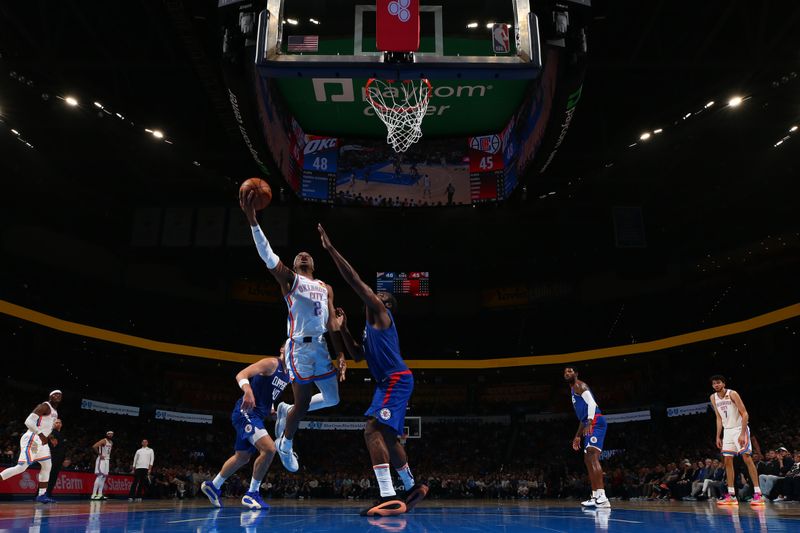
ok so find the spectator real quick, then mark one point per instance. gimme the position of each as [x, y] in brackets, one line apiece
[58, 454]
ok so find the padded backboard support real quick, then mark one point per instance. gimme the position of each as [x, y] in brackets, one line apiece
[397, 25]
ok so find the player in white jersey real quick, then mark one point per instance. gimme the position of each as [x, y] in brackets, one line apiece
[35, 444]
[103, 450]
[732, 420]
[311, 315]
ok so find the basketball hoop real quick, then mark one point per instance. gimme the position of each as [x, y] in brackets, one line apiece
[401, 105]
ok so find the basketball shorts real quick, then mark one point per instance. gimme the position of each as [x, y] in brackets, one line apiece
[31, 449]
[101, 466]
[249, 429]
[730, 442]
[391, 399]
[597, 437]
[309, 361]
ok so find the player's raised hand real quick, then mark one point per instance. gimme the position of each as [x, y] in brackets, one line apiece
[576, 443]
[247, 200]
[326, 241]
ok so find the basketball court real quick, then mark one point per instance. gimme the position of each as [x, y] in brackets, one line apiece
[432, 516]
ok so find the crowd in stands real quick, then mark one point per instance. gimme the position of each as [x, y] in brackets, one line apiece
[661, 459]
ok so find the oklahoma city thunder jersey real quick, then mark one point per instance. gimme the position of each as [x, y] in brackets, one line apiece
[105, 450]
[45, 422]
[581, 407]
[266, 389]
[728, 411]
[382, 351]
[308, 308]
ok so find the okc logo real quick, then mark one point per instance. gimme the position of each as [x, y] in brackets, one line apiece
[399, 9]
[385, 414]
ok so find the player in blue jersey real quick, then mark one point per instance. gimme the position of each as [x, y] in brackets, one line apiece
[311, 315]
[386, 415]
[590, 435]
[262, 384]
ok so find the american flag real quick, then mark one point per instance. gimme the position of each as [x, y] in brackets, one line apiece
[303, 43]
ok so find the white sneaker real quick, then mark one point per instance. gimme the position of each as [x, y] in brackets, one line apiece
[288, 458]
[280, 420]
[589, 503]
[602, 502]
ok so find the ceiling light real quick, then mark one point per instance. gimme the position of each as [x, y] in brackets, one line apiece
[659, 130]
[687, 115]
[15, 132]
[293, 22]
[644, 136]
[158, 134]
[98, 104]
[709, 104]
[472, 25]
[778, 143]
[735, 101]
[793, 129]
[313, 21]
[490, 25]
[71, 101]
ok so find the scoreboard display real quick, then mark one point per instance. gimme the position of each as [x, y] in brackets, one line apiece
[412, 283]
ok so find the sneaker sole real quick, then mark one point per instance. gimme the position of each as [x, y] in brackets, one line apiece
[383, 509]
[212, 497]
[287, 455]
[252, 504]
[415, 497]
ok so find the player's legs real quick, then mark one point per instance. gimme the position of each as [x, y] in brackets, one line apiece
[753, 471]
[266, 452]
[592, 460]
[13, 471]
[415, 492]
[388, 504]
[328, 394]
[44, 475]
[302, 400]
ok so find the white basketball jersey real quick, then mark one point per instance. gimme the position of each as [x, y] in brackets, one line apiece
[105, 450]
[46, 422]
[308, 308]
[731, 419]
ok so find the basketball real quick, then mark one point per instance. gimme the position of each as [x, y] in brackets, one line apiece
[262, 190]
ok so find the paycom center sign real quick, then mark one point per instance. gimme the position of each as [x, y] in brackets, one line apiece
[339, 106]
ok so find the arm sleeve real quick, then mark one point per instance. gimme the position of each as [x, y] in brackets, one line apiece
[589, 399]
[263, 247]
[32, 423]
[152, 458]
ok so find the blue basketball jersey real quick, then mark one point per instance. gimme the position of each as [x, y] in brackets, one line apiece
[266, 390]
[581, 407]
[382, 350]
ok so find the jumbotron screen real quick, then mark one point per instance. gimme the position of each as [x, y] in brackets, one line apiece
[412, 283]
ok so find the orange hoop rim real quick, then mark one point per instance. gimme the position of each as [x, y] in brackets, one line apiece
[380, 107]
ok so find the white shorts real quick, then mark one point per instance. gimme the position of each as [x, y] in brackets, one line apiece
[730, 442]
[101, 466]
[309, 361]
[31, 449]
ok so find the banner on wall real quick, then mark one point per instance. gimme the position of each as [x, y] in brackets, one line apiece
[177, 416]
[112, 408]
[68, 483]
[693, 409]
[256, 291]
[635, 416]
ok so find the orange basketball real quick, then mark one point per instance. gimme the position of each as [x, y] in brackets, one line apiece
[262, 190]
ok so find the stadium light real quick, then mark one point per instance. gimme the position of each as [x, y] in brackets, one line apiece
[793, 129]
[709, 104]
[735, 101]
[313, 21]
[659, 130]
[293, 22]
[490, 25]
[644, 136]
[71, 101]
[15, 132]
[98, 104]
[158, 134]
[472, 25]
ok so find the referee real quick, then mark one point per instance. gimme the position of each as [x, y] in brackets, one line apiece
[142, 465]
[58, 452]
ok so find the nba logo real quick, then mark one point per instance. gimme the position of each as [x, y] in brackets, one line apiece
[500, 41]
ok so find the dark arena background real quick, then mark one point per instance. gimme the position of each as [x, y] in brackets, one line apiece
[609, 186]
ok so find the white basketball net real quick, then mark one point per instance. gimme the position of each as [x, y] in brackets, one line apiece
[401, 105]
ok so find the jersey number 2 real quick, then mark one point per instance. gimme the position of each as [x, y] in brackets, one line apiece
[317, 308]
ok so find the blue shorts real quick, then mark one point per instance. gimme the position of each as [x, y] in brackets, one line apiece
[391, 399]
[596, 438]
[249, 429]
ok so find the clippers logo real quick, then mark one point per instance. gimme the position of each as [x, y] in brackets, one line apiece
[593, 440]
[399, 9]
[385, 414]
[489, 144]
[248, 428]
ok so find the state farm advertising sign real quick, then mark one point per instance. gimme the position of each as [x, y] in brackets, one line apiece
[68, 483]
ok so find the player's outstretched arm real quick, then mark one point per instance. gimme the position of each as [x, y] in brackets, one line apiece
[352, 278]
[282, 274]
[336, 335]
[266, 366]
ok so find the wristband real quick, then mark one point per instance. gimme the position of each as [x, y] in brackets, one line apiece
[243, 382]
